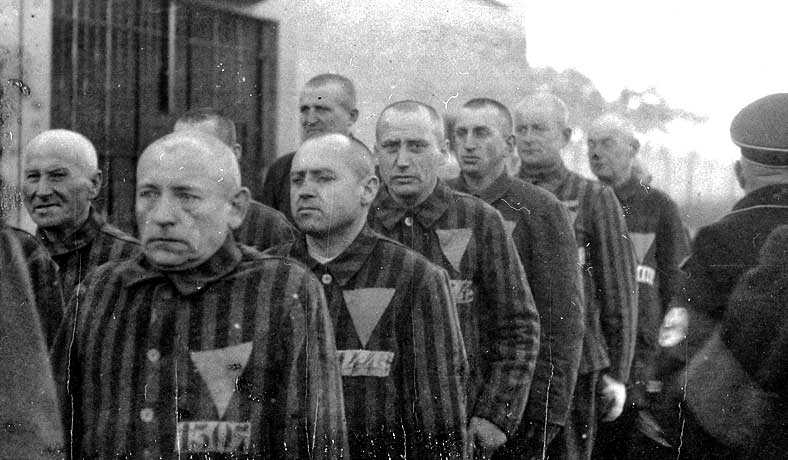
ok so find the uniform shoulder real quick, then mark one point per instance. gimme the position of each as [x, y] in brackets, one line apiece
[472, 203]
[268, 260]
[533, 194]
[29, 243]
[388, 244]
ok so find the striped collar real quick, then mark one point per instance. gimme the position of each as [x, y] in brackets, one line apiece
[550, 178]
[84, 235]
[494, 192]
[389, 211]
[344, 266]
[187, 282]
[771, 196]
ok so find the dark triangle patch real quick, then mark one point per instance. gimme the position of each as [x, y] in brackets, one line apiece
[642, 243]
[366, 306]
[220, 369]
[454, 242]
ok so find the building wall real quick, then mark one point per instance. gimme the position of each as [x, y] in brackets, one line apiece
[440, 52]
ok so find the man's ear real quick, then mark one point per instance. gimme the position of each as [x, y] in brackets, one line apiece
[634, 146]
[238, 151]
[510, 143]
[95, 184]
[353, 116]
[566, 136]
[369, 189]
[738, 170]
[239, 203]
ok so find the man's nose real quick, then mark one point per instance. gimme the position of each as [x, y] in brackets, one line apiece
[402, 160]
[162, 212]
[43, 187]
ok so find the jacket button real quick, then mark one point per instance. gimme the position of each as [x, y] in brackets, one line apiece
[409, 221]
[326, 278]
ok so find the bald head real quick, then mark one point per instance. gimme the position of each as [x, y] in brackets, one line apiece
[504, 117]
[341, 148]
[189, 198]
[210, 121]
[69, 146]
[61, 178]
[410, 107]
[545, 103]
[193, 150]
[346, 94]
[616, 124]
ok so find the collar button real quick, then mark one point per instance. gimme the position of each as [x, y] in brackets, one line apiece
[326, 278]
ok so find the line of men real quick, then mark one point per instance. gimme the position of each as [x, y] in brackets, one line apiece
[403, 316]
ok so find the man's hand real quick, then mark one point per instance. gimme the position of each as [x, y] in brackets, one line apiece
[613, 394]
[485, 436]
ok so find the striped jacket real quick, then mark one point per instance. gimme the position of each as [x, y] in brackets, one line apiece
[234, 358]
[608, 261]
[400, 348]
[539, 226]
[43, 279]
[28, 403]
[661, 244]
[264, 227]
[93, 244]
[500, 325]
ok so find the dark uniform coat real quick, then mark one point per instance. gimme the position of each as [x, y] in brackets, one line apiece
[400, 348]
[232, 359]
[93, 244]
[29, 419]
[723, 251]
[500, 324]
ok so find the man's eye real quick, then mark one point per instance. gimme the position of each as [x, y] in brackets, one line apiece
[296, 180]
[186, 197]
[461, 133]
[146, 194]
[390, 147]
[325, 178]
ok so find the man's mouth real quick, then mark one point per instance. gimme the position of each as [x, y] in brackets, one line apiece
[403, 179]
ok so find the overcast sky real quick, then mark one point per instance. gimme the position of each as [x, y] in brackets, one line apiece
[708, 57]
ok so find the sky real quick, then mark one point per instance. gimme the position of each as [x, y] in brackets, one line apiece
[711, 58]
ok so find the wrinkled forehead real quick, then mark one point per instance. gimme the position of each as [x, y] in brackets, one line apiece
[183, 166]
[406, 126]
[480, 116]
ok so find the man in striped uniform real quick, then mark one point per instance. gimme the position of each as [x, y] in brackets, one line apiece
[400, 348]
[465, 236]
[28, 403]
[660, 242]
[61, 179]
[539, 225]
[200, 347]
[263, 227]
[327, 104]
[608, 263]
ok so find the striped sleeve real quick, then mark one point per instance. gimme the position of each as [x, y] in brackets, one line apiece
[510, 321]
[264, 227]
[326, 428]
[615, 268]
[441, 409]
[549, 253]
[46, 287]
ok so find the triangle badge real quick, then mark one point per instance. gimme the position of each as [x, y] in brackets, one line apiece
[454, 242]
[220, 369]
[509, 225]
[366, 306]
[642, 243]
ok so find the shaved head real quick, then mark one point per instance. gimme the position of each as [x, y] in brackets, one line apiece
[197, 150]
[347, 91]
[67, 145]
[547, 103]
[503, 113]
[61, 178]
[189, 199]
[352, 152]
[413, 108]
[222, 127]
[612, 122]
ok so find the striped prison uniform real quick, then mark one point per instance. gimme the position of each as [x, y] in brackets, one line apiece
[28, 403]
[500, 325]
[400, 348]
[232, 359]
[264, 227]
[660, 243]
[43, 278]
[539, 226]
[91, 245]
[610, 290]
